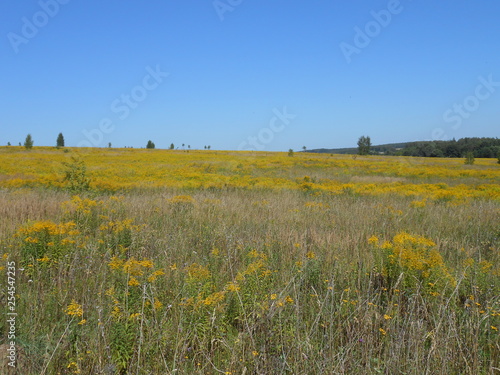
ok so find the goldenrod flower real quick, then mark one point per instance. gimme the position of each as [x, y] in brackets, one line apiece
[45, 259]
[233, 287]
[133, 281]
[115, 263]
[310, 255]
[157, 304]
[155, 274]
[74, 309]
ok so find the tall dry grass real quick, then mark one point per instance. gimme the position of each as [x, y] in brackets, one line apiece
[248, 281]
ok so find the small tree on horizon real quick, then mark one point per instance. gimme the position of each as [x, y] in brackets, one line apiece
[150, 144]
[28, 143]
[60, 140]
[172, 146]
[364, 144]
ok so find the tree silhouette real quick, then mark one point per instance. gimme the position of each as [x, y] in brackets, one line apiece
[60, 140]
[28, 143]
[364, 144]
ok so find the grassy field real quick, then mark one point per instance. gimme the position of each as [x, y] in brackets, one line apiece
[212, 262]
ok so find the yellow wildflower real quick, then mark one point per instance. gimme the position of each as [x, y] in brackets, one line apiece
[155, 274]
[233, 287]
[133, 281]
[310, 255]
[74, 309]
[157, 304]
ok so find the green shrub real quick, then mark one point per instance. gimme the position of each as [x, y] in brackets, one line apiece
[75, 176]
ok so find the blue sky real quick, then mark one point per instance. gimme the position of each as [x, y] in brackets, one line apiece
[261, 74]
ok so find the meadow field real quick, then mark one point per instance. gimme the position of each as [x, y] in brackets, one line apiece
[135, 261]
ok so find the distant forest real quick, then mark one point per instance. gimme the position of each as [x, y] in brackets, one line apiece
[481, 147]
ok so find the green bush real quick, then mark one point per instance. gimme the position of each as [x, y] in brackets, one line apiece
[469, 158]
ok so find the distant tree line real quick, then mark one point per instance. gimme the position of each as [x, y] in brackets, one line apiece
[479, 147]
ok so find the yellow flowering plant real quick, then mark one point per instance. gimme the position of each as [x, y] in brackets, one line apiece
[414, 261]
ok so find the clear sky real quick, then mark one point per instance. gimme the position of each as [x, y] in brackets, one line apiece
[248, 74]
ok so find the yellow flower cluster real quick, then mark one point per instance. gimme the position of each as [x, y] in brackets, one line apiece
[155, 275]
[136, 271]
[418, 204]
[47, 228]
[233, 287]
[46, 240]
[118, 226]
[81, 205]
[74, 309]
[131, 266]
[416, 256]
[215, 299]
[257, 268]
